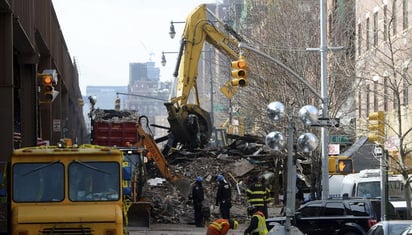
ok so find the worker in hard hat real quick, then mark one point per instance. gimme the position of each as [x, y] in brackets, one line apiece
[221, 226]
[198, 196]
[257, 224]
[224, 197]
[258, 195]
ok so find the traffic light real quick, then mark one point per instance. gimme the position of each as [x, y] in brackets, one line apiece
[117, 104]
[340, 165]
[344, 166]
[376, 127]
[239, 74]
[47, 81]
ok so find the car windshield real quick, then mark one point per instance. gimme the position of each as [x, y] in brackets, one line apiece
[94, 181]
[38, 182]
[398, 228]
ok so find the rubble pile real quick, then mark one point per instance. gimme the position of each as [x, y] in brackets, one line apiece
[170, 206]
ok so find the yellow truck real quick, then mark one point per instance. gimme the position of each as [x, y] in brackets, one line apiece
[66, 190]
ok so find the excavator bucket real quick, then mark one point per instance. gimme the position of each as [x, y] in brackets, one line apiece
[138, 214]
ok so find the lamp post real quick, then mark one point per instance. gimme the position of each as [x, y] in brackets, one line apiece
[163, 60]
[172, 31]
[306, 142]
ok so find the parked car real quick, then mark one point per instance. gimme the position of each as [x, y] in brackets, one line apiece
[337, 216]
[407, 231]
[390, 227]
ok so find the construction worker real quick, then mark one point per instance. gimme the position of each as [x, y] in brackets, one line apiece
[224, 197]
[257, 224]
[198, 196]
[258, 195]
[221, 226]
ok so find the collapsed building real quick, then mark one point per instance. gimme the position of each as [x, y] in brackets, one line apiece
[239, 164]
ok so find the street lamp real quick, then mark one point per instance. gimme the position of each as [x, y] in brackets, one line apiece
[306, 143]
[172, 31]
[163, 60]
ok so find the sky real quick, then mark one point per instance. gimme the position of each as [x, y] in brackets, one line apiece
[104, 36]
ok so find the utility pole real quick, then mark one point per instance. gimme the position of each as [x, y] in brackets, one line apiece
[325, 100]
[324, 97]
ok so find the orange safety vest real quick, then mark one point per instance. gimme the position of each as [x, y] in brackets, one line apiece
[218, 227]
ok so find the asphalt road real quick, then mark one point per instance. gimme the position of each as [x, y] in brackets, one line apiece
[178, 229]
[187, 229]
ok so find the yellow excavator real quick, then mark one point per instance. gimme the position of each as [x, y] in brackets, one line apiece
[138, 205]
[190, 124]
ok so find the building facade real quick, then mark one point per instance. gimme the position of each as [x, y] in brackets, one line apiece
[383, 53]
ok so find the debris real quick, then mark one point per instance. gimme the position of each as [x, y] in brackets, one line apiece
[174, 208]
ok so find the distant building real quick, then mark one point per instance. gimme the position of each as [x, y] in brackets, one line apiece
[147, 94]
[105, 95]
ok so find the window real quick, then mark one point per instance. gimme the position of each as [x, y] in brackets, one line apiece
[385, 92]
[375, 95]
[360, 103]
[378, 230]
[405, 86]
[358, 209]
[94, 181]
[38, 182]
[385, 22]
[405, 22]
[395, 96]
[359, 39]
[311, 210]
[368, 96]
[394, 24]
[368, 189]
[375, 29]
[334, 209]
[367, 34]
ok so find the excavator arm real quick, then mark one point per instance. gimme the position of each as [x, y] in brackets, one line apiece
[153, 153]
[190, 124]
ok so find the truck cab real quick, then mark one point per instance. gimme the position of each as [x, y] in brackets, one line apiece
[76, 190]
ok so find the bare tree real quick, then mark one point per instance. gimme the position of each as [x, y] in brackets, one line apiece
[283, 30]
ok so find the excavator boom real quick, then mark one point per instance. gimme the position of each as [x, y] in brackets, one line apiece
[190, 124]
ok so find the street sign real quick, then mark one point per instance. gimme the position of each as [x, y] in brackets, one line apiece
[339, 139]
[378, 150]
[330, 122]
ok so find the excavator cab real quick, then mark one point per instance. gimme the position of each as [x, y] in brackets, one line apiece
[136, 205]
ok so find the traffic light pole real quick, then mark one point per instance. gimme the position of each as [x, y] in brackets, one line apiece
[304, 81]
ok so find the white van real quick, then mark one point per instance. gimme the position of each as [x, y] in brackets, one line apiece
[366, 184]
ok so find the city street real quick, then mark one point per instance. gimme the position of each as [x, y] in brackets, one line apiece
[188, 229]
[178, 229]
